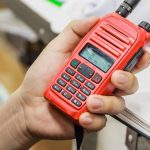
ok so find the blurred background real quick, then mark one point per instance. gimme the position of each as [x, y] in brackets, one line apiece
[26, 27]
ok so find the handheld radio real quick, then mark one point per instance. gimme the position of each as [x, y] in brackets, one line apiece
[115, 43]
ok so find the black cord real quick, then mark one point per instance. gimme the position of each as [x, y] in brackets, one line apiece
[79, 134]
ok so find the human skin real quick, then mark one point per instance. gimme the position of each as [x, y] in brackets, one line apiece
[28, 117]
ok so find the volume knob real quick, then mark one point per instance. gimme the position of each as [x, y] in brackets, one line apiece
[145, 26]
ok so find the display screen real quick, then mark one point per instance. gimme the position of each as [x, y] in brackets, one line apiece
[97, 57]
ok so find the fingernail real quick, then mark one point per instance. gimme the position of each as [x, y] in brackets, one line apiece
[88, 119]
[122, 78]
[96, 103]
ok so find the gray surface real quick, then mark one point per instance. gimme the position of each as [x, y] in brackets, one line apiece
[143, 144]
[90, 142]
[131, 139]
[138, 142]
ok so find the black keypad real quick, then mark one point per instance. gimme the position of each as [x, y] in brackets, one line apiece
[57, 88]
[61, 82]
[85, 91]
[75, 83]
[66, 95]
[76, 102]
[66, 77]
[97, 78]
[80, 78]
[85, 71]
[71, 89]
[90, 85]
[75, 63]
[81, 96]
[70, 71]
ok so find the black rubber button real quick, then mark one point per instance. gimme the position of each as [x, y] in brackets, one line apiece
[85, 71]
[80, 78]
[57, 88]
[97, 78]
[75, 84]
[90, 85]
[70, 71]
[66, 95]
[71, 89]
[66, 77]
[61, 82]
[75, 63]
[81, 96]
[76, 102]
[86, 91]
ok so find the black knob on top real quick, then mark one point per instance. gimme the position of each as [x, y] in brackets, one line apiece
[132, 3]
[127, 7]
[145, 26]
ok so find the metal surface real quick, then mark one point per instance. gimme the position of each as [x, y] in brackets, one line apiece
[143, 144]
[37, 23]
[90, 142]
[136, 142]
[131, 139]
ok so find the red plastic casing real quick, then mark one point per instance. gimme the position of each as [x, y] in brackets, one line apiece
[117, 37]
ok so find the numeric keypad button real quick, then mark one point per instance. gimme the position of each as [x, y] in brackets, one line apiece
[75, 84]
[61, 82]
[90, 85]
[57, 88]
[85, 91]
[66, 77]
[66, 95]
[76, 102]
[70, 71]
[96, 78]
[81, 96]
[80, 78]
[71, 89]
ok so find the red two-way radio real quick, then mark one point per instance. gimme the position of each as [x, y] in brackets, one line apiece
[115, 43]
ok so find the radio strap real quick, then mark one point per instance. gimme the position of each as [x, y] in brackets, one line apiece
[79, 133]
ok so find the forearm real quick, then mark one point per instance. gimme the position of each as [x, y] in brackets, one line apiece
[13, 132]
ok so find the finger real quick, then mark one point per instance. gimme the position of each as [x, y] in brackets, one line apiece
[125, 82]
[92, 122]
[72, 34]
[143, 63]
[105, 104]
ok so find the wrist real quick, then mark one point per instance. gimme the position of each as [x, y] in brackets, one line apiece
[13, 125]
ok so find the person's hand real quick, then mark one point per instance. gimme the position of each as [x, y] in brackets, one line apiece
[42, 120]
